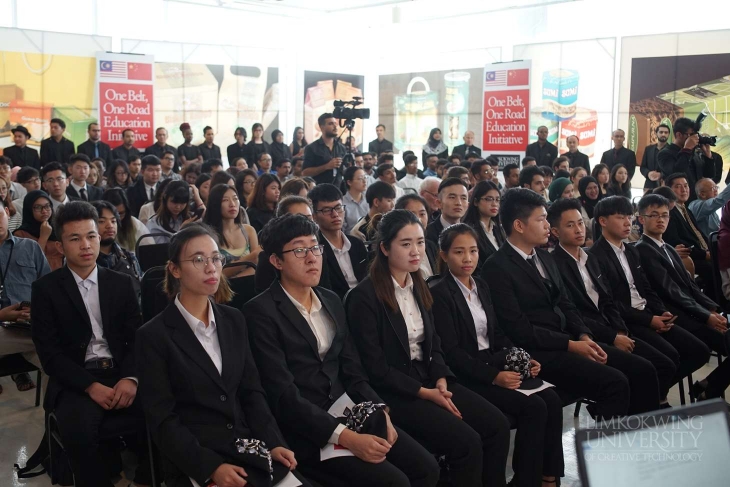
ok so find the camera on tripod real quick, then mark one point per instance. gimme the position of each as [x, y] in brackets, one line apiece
[704, 140]
[345, 112]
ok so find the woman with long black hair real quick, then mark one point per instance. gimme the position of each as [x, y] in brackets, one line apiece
[257, 145]
[118, 175]
[263, 200]
[483, 217]
[298, 143]
[130, 228]
[38, 225]
[476, 349]
[619, 183]
[390, 316]
[173, 213]
[434, 146]
[238, 148]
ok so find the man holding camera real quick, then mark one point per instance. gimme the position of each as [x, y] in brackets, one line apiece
[323, 157]
[679, 156]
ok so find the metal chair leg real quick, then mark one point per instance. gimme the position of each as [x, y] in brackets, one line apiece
[578, 403]
[38, 387]
[681, 392]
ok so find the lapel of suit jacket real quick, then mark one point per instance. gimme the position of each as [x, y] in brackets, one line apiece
[573, 266]
[398, 323]
[73, 191]
[526, 268]
[290, 312]
[676, 263]
[106, 296]
[594, 271]
[231, 356]
[335, 346]
[332, 264]
[614, 260]
[463, 307]
[72, 289]
[185, 338]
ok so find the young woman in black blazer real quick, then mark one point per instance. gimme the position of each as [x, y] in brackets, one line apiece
[471, 339]
[198, 380]
[389, 314]
[483, 217]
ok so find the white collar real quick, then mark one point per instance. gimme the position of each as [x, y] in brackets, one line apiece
[444, 222]
[521, 253]
[659, 243]
[93, 277]
[316, 303]
[345, 245]
[78, 188]
[616, 249]
[583, 255]
[465, 290]
[191, 320]
[408, 287]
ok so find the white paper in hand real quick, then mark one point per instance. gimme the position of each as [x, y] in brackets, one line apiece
[337, 410]
[289, 481]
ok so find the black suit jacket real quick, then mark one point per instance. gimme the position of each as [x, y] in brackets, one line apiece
[673, 158]
[300, 386]
[382, 340]
[137, 196]
[461, 150]
[672, 281]
[94, 193]
[530, 316]
[579, 160]
[455, 326]
[195, 414]
[358, 258]
[62, 328]
[52, 151]
[679, 232]
[612, 271]
[625, 156]
[26, 156]
[379, 147]
[650, 162]
[544, 155]
[105, 152]
[486, 248]
[604, 320]
[433, 230]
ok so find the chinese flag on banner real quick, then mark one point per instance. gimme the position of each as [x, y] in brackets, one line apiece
[139, 71]
[515, 77]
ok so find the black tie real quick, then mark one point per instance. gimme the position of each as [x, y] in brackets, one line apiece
[83, 194]
[152, 194]
[666, 254]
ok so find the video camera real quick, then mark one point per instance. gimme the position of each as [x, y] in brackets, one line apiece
[345, 112]
[712, 140]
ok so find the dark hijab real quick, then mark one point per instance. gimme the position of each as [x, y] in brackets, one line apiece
[30, 224]
[279, 151]
[588, 203]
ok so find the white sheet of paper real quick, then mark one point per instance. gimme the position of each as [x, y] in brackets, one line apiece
[545, 385]
[289, 481]
[337, 410]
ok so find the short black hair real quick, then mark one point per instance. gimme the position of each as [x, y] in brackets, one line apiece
[6, 161]
[675, 175]
[518, 204]
[476, 166]
[321, 120]
[326, 193]
[132, 158]
[612, 205]
[547, 171]
[662, 125]
[492, 160]
[667, 192]
[559, 160]
[221, 177]
[451, 182]
[60, 122]
[456, 171]
[649, 200]
[206, 128]
[79, 157]
[283, 229]
[73, 211]
[528, 173]
[557, 208]
[407, 198]
[168, 151]
[379, 190]
[26, 174]
[527, 159]
[100, 205]
[384, 157]
[50, 167]
[562, 173]
[508, 168]
[127, 130]
[210, 164]
[150, 160]
[380, 170]
[683, 124]
[350, 173]
[380, 125]
[409, 159]
[286, 202]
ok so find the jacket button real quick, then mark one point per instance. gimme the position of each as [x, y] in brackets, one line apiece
[229, 426]
[223, 398]
[331, 398]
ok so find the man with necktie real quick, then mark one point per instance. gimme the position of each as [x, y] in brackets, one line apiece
[80, 166]
[94, 147]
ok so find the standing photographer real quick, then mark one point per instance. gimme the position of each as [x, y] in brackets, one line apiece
[679, 156]
[323, 157]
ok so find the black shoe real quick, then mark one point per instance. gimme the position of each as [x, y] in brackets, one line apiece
[698, 391]
[665, 405]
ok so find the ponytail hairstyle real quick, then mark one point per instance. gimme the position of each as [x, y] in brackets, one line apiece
[171, 284]
[390, 224]
[446, 240]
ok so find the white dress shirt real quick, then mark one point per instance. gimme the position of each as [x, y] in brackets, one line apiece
[637, 301]
[533, 255]
[147, 189]
[411, 181]
[206, 335]
[56, 204]
[343, 260]
[79, 188]
[398, 191]
[490, 233]
[98, 347]
[585, 275]
[411, 315]
[444, 223]
[354, 210]
[477, 311]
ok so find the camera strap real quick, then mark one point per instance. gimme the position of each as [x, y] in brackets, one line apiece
[4, 272]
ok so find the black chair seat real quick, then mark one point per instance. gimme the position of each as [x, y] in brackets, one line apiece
[154, 299]
[151, 255]
[244, 288]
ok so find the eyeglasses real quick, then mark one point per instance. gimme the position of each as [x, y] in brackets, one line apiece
[301, 252]
[491, 199]
[59, 180]
[360, 179]
[201, 262]
[663, 216]
[432, 194]
[41, 208]
[32, 181]
[340, 209]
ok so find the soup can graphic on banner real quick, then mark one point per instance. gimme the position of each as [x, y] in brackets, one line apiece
[457, 102]
[584, 126]
[560, 93]
[537, 120]
[416, 113]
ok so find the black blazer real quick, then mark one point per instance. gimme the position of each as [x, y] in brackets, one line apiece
[461, 150]
[680, 232]
[94, 193]
[433, 230]
[62, 328]
[612, 271]
[543, 155]
[299, 385]
[358, 259]
[259, 218]
[672, 281]
[105, 152]
[530, 316]
[650, 162]
[137, 196]
[455, 326]
[579, 160]
[486, 248]
[195, 414]
[52, 151]
[604, 320]
[26, 157]
[625, 156]
[381, 337]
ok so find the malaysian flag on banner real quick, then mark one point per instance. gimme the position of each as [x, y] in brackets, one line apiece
[496, 78]
[112, 69]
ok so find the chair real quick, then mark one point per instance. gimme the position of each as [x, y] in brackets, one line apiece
[154, 299]
[16, 364]
[244, 288]
[153, 254]
[715, 256]
[597, 230]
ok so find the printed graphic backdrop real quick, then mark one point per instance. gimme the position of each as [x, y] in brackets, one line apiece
[320, 92]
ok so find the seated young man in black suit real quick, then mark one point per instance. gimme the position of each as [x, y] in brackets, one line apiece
[346, 256]
[535, 312]
[454, 198]
[199, 381]
[640, 307]
[84, 321]
[591, 295]
[308, 361]
[79, 165]
[666, 273]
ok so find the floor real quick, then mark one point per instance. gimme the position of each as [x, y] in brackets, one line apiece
[21, 431]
